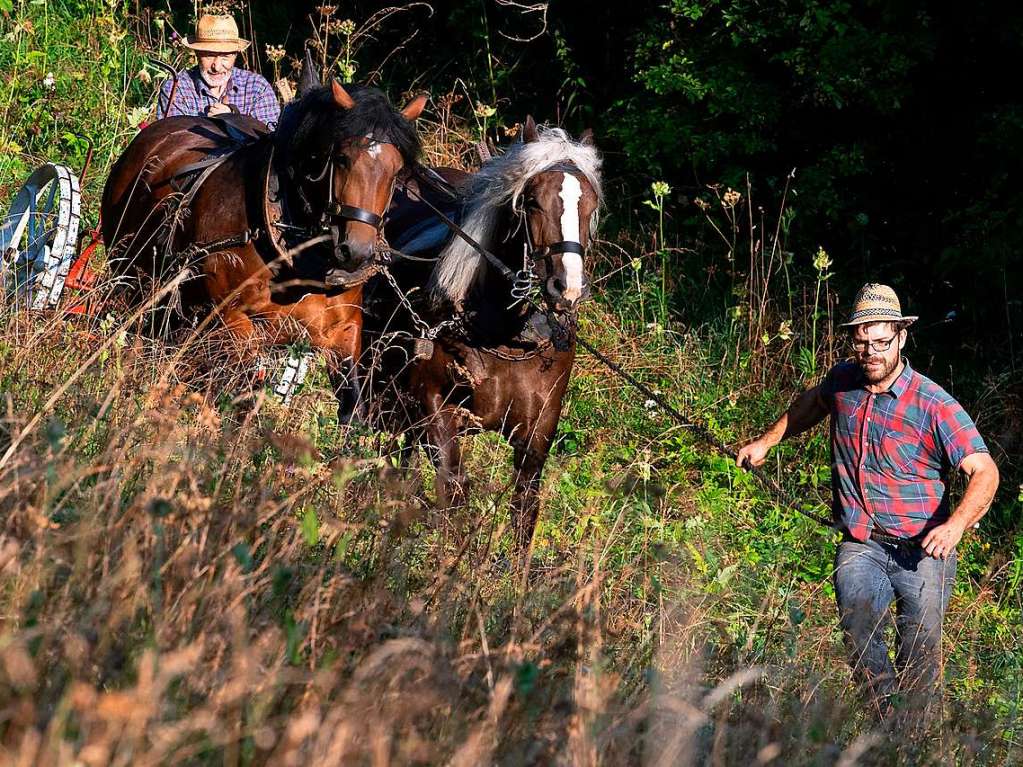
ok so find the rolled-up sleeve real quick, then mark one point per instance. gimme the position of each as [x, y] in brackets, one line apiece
[956, 432]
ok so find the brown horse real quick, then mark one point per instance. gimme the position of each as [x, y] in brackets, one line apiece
[277, 230]
[489, 361]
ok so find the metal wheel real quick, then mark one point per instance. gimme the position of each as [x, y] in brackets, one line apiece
[38, 236]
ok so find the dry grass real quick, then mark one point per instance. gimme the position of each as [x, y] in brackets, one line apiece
[194, 576]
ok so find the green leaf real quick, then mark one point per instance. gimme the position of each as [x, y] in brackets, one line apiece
[294, 632]
[243, 556]
[55, 433]
[526, 677]
[310, 527]
[725, 574]
[342, 545]
[161, 507]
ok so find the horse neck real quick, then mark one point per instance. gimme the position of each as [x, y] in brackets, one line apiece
[301, 210]
[495, 296]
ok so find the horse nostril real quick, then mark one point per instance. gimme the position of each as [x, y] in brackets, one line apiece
[355, 253]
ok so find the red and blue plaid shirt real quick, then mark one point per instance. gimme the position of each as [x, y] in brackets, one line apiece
[891, 452]
[247, 91]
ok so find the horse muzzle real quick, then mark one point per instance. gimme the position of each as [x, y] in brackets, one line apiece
[352, 254]
[564, 299]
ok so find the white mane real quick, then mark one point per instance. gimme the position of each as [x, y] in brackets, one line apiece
[500, 181]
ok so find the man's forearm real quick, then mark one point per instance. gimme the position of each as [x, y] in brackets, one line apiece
[804, 413]
[776, 432]
[980, 492]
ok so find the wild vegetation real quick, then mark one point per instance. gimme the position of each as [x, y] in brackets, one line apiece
[192, 573]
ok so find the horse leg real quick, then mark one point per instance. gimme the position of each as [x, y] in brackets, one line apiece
[442, 433]
[525, 507]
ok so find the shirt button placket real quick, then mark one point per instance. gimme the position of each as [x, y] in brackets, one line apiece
[865, 432]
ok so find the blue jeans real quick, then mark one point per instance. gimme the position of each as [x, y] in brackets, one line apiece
[868, 578]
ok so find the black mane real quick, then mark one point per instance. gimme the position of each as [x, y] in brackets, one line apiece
[315, 119]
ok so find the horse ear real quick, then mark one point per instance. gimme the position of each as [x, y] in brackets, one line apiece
[341, 97]
[309, 79]
[529, 132]
[586, 138]
[415, 107]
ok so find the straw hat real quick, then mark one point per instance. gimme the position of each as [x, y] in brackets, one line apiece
[218, 34]
[876, 303]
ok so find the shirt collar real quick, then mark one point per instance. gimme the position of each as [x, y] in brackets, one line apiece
[901, 384]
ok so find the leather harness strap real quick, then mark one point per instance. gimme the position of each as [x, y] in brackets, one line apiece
[565, 246]
[495, 262]
[353, 213]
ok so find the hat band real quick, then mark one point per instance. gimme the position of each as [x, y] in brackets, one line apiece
[878, 312]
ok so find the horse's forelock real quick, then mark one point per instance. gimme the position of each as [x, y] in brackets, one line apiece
[316, 120]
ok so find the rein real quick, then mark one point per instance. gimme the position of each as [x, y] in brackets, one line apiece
[703, 434]
[700, 431]
[494, 261]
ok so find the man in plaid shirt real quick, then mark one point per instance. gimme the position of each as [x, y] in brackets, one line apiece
[213, 86]
[895, 436]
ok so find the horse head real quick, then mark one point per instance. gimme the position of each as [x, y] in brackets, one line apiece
[342, 148]
[549, 188]
[559, 206]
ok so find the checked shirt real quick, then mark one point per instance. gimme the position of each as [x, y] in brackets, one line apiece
[891, 453]
[250, 93]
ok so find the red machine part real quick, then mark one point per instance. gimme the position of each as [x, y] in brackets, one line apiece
[81, 279]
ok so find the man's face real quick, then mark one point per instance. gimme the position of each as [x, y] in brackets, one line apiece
[868, 342]
[215, 68]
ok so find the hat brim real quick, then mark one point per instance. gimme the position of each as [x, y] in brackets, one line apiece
[878, 318]
[216, 46]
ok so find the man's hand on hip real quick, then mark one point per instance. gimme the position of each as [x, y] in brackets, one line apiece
[942, 540]
[752, 455]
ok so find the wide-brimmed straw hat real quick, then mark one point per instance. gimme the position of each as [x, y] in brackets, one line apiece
[877, 303]
[218, 34]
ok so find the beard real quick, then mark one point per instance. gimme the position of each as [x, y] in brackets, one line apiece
[215, 80]
[876, 369]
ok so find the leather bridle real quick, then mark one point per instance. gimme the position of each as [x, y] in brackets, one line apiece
[544, 255]
[337, 213]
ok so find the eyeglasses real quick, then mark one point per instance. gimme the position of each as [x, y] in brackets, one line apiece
[877, 345]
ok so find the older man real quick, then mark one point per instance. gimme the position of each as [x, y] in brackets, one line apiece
[214, 86]
[895, 435]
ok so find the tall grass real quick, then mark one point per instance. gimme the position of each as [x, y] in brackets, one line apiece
[190, 573]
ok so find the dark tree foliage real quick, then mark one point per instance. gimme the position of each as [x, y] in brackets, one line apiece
[900, 120]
